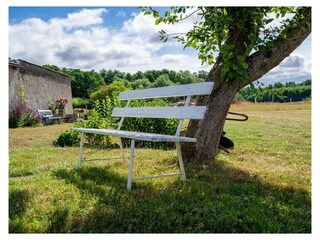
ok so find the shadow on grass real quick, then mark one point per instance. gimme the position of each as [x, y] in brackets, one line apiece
[16, 174]
[18, 202]
[58, 220]
[94, 180]
[217, 199]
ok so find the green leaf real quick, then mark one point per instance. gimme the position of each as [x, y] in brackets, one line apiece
[269, 20]
[240, 58]
[155, 14]
[159, 20]
[210, 59]
[245, 65]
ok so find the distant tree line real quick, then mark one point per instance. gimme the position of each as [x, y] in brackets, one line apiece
[99, 85]
[278, 92]
[85, 83]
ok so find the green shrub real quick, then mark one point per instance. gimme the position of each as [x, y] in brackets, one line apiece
[67, 138]
[108, 91]
[31, 119]
[15, 120]
[104, 109]
[100, 118]
[22, 116]
[151, 125]
[80, 102]
[95, 121]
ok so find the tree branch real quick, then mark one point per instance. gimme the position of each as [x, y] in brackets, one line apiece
[262, 62]
[186, 17]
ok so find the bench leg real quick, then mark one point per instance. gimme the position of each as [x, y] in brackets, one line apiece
[80, 151]
[181, 161]
[130, 165]
[121, 150]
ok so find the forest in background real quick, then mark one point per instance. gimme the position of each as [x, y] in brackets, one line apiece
[97, 85]
[278, 92]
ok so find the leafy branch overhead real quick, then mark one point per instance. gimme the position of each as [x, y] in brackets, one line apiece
[228, 35]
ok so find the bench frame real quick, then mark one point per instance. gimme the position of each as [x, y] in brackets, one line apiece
[47, 117]
[182, 113]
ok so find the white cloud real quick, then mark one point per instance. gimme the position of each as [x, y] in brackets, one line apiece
[296, 67]
[69, 42]
[83, 18]
[82, 40]
[171, 58]
[145, 24]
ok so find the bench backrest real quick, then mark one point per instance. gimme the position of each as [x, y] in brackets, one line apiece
[45, 113]
[185, 112]
[172, 91]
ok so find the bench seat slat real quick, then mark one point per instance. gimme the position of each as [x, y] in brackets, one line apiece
[153, 137]
[161, 112]
[52, 117]
[193, 89]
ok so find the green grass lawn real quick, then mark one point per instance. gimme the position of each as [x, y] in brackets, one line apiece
[262, 186]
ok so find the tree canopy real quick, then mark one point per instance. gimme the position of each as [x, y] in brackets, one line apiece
[232, 33]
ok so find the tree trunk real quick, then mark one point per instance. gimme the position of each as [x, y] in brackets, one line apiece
[208, 131]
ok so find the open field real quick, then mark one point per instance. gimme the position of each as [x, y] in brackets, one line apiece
[262, 186]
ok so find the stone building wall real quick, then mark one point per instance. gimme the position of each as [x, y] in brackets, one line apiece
[14, 95]
[38, 86]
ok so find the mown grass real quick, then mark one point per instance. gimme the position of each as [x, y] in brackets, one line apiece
[262, 186]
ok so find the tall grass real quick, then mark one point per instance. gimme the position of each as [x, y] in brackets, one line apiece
[262, 186]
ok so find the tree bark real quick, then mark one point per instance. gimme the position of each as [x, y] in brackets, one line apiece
[208, 131]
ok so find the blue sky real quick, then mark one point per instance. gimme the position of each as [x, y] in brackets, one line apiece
[117, 38]
[18, 14]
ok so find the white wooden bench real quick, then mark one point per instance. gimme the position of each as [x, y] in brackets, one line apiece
[185, 112]
[47, 117]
